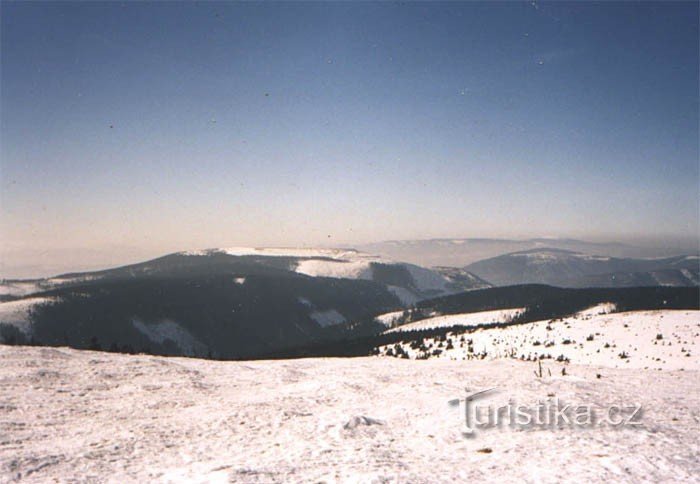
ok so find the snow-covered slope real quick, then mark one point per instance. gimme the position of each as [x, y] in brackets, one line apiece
[11, 289]
[466, 319]
[17, 313]
[82, 416]
[666, 339]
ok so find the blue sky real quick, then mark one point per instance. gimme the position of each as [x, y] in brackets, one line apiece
[180, 125]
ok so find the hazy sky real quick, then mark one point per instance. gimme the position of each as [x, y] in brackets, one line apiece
[167, 126]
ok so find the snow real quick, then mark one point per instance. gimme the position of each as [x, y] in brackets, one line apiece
[25, 288]
[301, 252]
[57, 281]
[342, 269]
[602, 308]
[292, 252]
[425, 279]
[169, 330]
[16, 313]
[19, 288]
[463, 319]
[71, 415]
[657, 340]
[538, 256]
[387, 319]
[329, 317]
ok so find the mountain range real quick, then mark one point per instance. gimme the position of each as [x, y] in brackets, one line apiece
[565, 268]
[459, 252]
[228, 303]
[244, 303]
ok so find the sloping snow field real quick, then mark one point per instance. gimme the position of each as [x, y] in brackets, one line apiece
[450, 320]
[72, 415]
[16, 313]
[664, 339]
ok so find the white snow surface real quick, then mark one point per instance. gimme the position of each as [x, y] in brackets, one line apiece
[342, 269]
[25, 288]
[86, 416]
[463, 319]
[387, 319]
[425, 279]
[602, 308]
[301, 252]
[656, 340]
[16, 313]
[19, 288]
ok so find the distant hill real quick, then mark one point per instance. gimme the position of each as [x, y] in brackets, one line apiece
[566, 268]
[227, 303]
[460, 252]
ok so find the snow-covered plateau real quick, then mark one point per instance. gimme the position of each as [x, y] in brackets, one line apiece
[70, 415]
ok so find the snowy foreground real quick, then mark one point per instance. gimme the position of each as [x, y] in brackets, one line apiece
[89, 416]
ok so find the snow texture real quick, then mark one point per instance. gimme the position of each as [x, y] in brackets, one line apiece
[342, 269]
[464, 319]
[388, 319]
[86, 416]
[656, 340]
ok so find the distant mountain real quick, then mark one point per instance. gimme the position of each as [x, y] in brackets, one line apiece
[566, 268]
[229, 303]
[461, 252]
